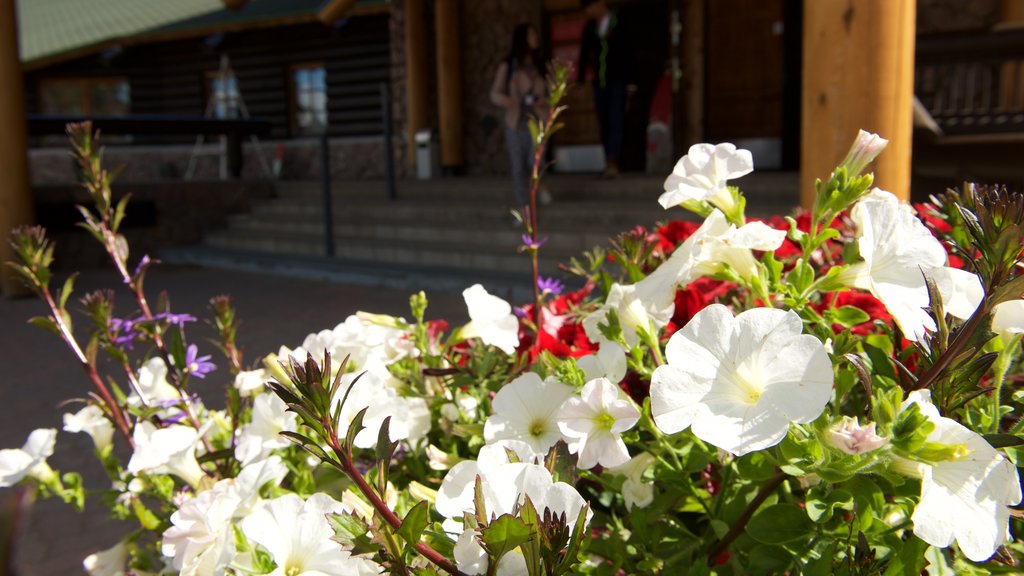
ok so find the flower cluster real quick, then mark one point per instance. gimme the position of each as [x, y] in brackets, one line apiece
[834, 392]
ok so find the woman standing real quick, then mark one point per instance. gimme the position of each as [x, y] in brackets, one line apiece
[518, 87]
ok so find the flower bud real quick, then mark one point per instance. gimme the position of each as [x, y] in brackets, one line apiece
[865, 149]
[852, 438]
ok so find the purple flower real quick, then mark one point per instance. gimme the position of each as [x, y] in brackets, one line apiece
[519, 311]
[550, 286]
[198, 366]
[142, 265]
[530, 244]
[175, 319]
[124, 331]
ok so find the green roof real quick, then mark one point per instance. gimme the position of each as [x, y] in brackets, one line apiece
[50, 29]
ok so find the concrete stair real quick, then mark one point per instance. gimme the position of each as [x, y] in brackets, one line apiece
[459, 223]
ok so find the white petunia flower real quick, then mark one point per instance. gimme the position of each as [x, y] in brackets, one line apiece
[636, 309]
[594, 423]
[965, 499]
[153, 384]
[251, 382]
[257, 439]
[376, 390]
[471, 558]
[898, 250]
[30, 459]
[366, 341]
[712, 247]
[636, 492]
[490, 319]
[702, 173]
[526, 409]
[299, 538]
[608, 362]
[740, 381]
[1008, 319]
[93, 422]
[504, 485]
[201, 541]
[852, 438]
[170, 450]
[110, 562]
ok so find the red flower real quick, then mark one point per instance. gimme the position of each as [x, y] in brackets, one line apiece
[674, 233]
[696, 296]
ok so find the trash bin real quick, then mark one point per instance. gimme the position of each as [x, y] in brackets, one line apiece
[427, 165]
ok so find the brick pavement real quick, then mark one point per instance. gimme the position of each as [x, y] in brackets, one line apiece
[38, 373]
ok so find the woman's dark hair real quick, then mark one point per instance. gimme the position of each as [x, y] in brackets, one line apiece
[521, 51]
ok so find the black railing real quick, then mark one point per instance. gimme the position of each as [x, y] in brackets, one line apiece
[972, 83]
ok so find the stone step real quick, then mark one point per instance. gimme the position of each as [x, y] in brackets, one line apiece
[562, 241]
[403, 252]
[764, 186]
[622, 214]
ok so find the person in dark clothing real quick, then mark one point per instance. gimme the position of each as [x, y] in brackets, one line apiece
[606, 48]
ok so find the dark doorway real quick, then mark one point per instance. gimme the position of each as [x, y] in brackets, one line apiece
[752, 77]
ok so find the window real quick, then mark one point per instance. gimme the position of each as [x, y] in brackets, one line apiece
[85, 96]
[308, 99]
[222, 97]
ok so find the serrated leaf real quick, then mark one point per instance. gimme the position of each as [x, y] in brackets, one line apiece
[579, 531]
[504, 534]
[354, 428]
[347, 527]
[479, 504]
[415, 522]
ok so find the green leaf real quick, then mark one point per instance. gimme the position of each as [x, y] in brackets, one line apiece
[779, 524]
[820, 506]
[415, 522]
[146, 518]
[46, 323]
[355, 428]
[347, 527]
[504, 534]
[801, 276]
[65, 291]
[849, 316]
[1003, 440]
[769, 560]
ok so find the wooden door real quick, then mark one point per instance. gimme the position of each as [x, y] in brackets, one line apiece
[745, 71]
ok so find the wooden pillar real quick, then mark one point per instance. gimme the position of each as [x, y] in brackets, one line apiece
[858, 73]
[693, 55]
[16, 206]
[416, 97]
[449, 81]
[1012, 12]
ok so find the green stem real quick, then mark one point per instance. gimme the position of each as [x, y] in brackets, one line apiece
[1000, 368]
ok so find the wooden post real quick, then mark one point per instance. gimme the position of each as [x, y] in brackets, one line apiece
[335, 10]
[858, 73]
[693, 55]
[449, 81]
[416, 97]
[16, 206]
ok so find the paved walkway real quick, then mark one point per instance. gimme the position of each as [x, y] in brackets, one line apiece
[39, 373]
